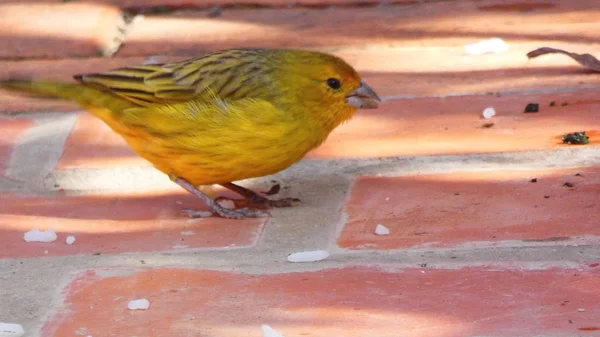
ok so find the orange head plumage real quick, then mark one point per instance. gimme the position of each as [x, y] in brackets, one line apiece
[320, 84]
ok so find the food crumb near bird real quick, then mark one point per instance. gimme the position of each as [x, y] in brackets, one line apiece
[36, 235]
[11, 330]
[491, 46]
[387, 199]
[581, 309]
[308, 256]
[488, 112]
[140, 304]
[532, 107]
[227, 203]
[270, 332]
[381, 230]
[576, 138]
[70, 239]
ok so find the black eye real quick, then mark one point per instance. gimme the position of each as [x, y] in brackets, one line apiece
[334, 83]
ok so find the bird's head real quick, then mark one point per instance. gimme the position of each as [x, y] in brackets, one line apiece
[326, 85]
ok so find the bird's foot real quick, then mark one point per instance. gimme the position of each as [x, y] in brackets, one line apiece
[216, 208]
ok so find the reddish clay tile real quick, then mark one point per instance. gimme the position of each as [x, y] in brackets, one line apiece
[474, 209]
[93, 144]
[10, 130]
[415, 25]
[351, 301]
[116, 223]
[57, 29]
[454, 125]
[199, 4]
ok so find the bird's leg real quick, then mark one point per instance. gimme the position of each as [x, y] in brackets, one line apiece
[254, 200]
[215, 207]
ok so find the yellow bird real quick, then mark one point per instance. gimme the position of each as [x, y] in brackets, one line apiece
[221, 117]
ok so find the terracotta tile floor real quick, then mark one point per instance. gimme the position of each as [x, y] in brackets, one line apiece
[474, 249]
[353, 301]
[117, 223]
[474, 209]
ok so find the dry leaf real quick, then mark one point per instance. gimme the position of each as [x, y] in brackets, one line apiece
[585, 60]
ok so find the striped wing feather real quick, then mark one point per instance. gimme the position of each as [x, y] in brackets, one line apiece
[228, 74]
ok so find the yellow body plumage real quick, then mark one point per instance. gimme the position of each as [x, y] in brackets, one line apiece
[220, 117]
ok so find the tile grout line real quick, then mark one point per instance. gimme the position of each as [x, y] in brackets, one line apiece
[39, 148]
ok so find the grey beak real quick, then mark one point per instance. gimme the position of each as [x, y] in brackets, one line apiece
[363, 98]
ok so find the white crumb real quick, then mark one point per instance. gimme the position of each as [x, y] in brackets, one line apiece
[70, 239]
[581, 309]
[141, 304]
[309, 256]
[269, 332]
[180, 246]
[226, 203]
[488, 113]
[36, 235]
[11, 330]
[493, 45]
[187, 233]
[381, 230]
[387, 199]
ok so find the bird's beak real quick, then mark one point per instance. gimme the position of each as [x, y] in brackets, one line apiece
[363, 98]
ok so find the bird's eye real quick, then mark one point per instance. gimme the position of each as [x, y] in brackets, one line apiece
[334, 83]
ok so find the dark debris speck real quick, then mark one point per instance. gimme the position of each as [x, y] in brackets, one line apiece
[214, 12]
[532, 107]
[274, 190]
[534, 180]
[568, 184]
[575, 138]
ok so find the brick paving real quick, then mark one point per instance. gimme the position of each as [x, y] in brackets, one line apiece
[493, 229]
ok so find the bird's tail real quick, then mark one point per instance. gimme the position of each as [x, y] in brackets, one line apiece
[99, 102]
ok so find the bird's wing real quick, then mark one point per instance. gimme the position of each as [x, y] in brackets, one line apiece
[229, 74]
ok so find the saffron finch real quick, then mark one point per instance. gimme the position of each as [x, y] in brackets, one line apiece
[221, 117]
